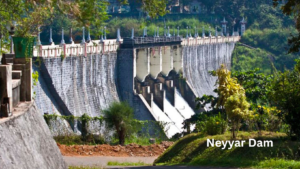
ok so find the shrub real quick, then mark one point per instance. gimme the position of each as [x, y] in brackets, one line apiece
[212, 125]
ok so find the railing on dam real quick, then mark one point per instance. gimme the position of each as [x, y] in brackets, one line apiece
[145, 40]
[111, 45]
[209, 40]
[81, 49]
[150, 41]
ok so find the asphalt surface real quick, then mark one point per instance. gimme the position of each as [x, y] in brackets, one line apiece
[168, 167]
[100, 161]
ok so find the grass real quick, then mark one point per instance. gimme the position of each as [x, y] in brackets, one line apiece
[192, 150]
[112, 163]
[96, 140]
[115, 163]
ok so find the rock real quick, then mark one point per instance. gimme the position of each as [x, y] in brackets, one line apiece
[117, 149]
[152, 140]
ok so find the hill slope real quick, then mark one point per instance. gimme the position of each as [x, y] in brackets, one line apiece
[193, 150]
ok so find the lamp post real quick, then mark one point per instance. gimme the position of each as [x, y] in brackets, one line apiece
[11, 27]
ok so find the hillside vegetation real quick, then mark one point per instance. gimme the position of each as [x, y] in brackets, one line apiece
[266, 37]
[192, 150]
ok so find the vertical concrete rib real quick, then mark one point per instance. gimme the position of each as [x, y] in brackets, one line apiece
[155, 61]
[142, 64]
[167, 60]
[177, 58]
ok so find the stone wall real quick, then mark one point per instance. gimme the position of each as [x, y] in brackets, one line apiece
[26, 141]
[76, 85]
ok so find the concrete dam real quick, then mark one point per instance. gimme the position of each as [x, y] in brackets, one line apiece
[160, 77]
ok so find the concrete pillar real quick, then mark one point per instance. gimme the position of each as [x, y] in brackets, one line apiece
[71, 38]
[243, 26]
[89, 36]
[102, 38]
[170, 91]
[6, 90]
[39, 37]
[224, 26]
[132, 33]
[104, 32]
[147, 94]
[177, 58]
[167, 60]
[51, 40]
[62, 42]
[144, 90]
[118, 35]
[25, 65]
[155, 61]
[159, 95]
[142, 64]
[83, 36]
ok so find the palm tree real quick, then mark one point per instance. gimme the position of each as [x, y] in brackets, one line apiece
[119, 115]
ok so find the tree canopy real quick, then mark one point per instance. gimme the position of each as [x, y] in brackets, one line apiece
[34, 13]
[292, 7]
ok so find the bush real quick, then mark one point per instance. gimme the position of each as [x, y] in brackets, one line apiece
[212, 125]
[72, 139]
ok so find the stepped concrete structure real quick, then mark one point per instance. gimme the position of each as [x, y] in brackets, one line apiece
[160, 77]
[25, 139]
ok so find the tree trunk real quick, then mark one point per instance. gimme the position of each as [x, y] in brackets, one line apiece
[121, 135]
[233, 130]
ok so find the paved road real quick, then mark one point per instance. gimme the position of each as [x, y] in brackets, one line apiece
[102, 162]
[168, 167]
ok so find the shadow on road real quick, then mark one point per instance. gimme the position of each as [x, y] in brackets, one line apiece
[169, 167]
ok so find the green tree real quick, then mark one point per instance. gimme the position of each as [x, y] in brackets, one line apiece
[119, 115]
[232, 97]
[285, 94]
[237, 108]
[227, 86]
[256, 84]
[86, 12]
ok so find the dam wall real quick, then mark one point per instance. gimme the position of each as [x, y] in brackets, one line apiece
[199, 60]
[76, 84]
[160, 77]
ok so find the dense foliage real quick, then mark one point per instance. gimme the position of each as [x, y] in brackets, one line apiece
[265, 42]
[291, 8]
[30, 14]
[285, 95]
[212, 125]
